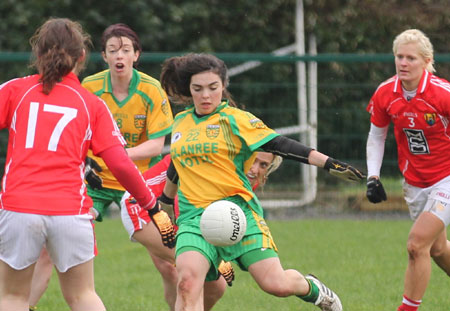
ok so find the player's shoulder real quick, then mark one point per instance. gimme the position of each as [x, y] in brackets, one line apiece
[22, 81]
[238, 113]
[184, 113]
[387, 86]
[96, 80]
[441, 85]
[147, 81]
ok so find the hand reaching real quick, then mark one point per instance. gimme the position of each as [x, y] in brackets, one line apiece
[343, 170]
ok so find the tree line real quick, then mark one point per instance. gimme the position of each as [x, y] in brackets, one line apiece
[248, 26]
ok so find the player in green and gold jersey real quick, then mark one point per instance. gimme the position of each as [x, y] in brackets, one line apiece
[143, 114]
[213, 145]
[138, 104]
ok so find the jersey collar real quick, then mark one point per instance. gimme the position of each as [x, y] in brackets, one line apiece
[424, 81]
[72, 76]
[197, 118]
[135, 79]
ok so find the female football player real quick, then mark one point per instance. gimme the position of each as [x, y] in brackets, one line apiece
[417, 102]
[212, 147]
[143, 114]
[52, 122]
[139, 106]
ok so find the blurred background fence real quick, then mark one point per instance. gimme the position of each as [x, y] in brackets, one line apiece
[345, 84]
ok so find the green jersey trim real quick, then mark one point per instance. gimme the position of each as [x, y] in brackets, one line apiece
[102, 76]
[135, 79]
[160, 133]
[255, 147]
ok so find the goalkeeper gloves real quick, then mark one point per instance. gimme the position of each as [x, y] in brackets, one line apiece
[164, 225]
[90, 174]
[375, 191]
[166, 204]
[343, 170]
[226, 270]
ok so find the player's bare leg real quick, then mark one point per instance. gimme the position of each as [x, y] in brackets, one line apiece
[14, 287]
[213, 291]
[440, 252]
[168, 274]
[41, 277]
[77, 286]
[425, 231]
[150, 237]
[272, 279]
[192, 268]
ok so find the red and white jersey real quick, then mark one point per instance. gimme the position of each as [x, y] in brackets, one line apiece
[49, 136]
[134, 216]
[155, 177]
[420, 127]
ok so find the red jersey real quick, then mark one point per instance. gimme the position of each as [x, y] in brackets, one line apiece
[155, 177]
[420, 127]
[49, 136]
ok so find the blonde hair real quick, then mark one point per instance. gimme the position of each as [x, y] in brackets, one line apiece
[423, 42]
[276, 162]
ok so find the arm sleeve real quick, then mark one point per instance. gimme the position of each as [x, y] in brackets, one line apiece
[172, 174]
[126, 172]
[375, 149]
[288, 148]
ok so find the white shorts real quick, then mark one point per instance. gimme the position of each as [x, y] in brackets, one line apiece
[434, 199]
[69, 240]
[133, 216]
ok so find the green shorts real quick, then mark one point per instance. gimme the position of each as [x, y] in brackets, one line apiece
[257, 243]
[103, 198]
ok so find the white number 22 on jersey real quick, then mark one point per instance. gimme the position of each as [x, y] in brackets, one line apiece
[68, 114]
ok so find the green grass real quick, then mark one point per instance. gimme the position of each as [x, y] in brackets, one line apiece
[362, 260]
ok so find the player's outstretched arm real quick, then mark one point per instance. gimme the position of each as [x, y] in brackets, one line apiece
[343, 170]
[291, 149]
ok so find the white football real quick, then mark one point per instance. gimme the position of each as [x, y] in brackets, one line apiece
[223, 223]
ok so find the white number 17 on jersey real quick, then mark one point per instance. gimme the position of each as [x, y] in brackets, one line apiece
[68, 114]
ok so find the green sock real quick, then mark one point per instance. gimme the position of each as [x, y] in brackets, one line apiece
[313, 293]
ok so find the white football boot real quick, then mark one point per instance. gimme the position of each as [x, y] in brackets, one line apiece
[327, 300]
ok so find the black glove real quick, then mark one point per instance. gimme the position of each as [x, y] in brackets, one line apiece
[227, 271]
[343, 170]
[164, 225]
[375, 191]
[90, 174]
[166, 204]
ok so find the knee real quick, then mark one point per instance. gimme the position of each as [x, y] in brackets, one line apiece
[415, 248]
[186, 282]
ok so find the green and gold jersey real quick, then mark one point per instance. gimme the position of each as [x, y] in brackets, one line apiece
[212, 153]
[145, 114]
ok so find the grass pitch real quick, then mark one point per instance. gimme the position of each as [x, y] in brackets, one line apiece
[362, 260]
